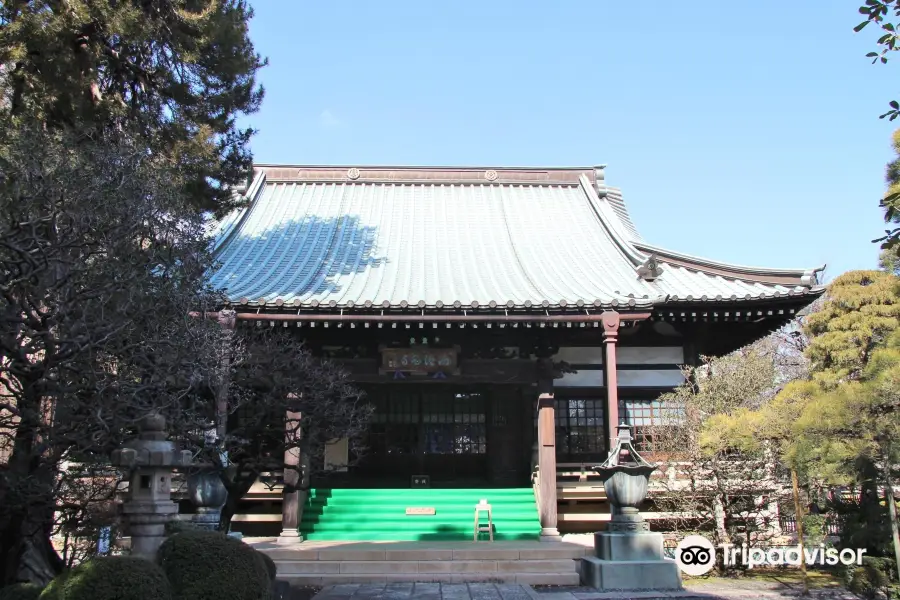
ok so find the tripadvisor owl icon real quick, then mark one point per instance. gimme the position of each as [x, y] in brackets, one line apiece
[695, 555]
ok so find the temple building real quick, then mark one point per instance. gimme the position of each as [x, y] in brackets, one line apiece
[501, 321]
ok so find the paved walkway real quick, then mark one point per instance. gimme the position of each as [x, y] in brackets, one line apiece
[509, 591]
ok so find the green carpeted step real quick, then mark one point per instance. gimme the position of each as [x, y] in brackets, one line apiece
[457, 535]
[380, 514]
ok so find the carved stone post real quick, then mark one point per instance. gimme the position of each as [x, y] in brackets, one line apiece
[547, 467]
[290, 505]
[610, 376]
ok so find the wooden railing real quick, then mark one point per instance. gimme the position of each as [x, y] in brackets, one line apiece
[536, 486]
[789, 525]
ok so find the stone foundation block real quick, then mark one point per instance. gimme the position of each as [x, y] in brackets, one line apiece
[629, 546]
[630, 575]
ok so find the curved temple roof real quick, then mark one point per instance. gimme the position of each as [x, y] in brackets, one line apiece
[464, 238]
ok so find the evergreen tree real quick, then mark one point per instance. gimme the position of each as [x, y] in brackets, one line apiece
[838, 427]
[891, 205]
[862, 310]
[180, 72]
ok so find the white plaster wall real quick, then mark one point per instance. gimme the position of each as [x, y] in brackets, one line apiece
[649, 355]
[592, 355]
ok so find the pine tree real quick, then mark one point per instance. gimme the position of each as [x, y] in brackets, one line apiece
[862, 310]
[838, 426]
[178, 71]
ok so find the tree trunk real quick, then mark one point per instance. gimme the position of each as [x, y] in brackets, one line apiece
[719, 514]
[798, 516]
[891, 506]
[237, 487]
[26, 553]
[870, 505]
[228, 511]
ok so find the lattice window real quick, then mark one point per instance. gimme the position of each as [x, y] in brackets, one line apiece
[430, 422]
[580, 428]
[644, 415]
[454, 423]
[395, 424]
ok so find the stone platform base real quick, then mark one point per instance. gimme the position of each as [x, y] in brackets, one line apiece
[629, 561]
[630, 575]
[516, 562]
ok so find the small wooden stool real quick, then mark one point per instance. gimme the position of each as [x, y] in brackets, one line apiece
[483, 506]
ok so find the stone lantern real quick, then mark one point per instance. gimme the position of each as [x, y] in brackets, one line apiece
[628, 555]
[151, 458]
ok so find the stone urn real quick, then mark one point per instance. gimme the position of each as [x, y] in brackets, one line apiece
[628, 556]
[208, 494]
[625, 478]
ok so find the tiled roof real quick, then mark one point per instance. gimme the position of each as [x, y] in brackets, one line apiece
[459, 237]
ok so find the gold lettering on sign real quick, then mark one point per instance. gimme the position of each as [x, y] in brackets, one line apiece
[419, 510]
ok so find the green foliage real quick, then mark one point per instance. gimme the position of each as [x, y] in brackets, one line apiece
[178, 526]
[861, 311]
[862, 524]
[814, 529]
[855, 421]
[209, 565]
[890, 202]
[271, 568]
[877, 11]
[889, 260]
[21, 591]
[180, 71]
[110, 578]
[872, 577]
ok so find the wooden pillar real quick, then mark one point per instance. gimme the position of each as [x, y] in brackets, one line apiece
[546, 431]
[610, 376]
[227, 319]
[290, 504]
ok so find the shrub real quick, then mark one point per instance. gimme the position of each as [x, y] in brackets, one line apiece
[872, 577]
[271, 569]
[110, 578]
[208, 565]
[178, 526]
[21, 591]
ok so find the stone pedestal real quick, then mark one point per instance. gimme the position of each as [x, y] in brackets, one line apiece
[147, 524]
[629, 561]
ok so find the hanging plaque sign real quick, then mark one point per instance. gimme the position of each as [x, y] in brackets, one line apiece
[422, 360]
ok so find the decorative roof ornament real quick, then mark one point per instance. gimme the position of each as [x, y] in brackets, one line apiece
[490, 175]
[650, 269]
[600, 181]
[353, 173]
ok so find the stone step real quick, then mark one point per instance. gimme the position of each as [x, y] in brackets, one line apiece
[324, 563]
[322, 567]
[361, 552]
[494, 577]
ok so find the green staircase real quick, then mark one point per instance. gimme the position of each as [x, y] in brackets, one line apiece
[380, 515]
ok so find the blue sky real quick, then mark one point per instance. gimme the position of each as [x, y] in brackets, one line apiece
[743, 132]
